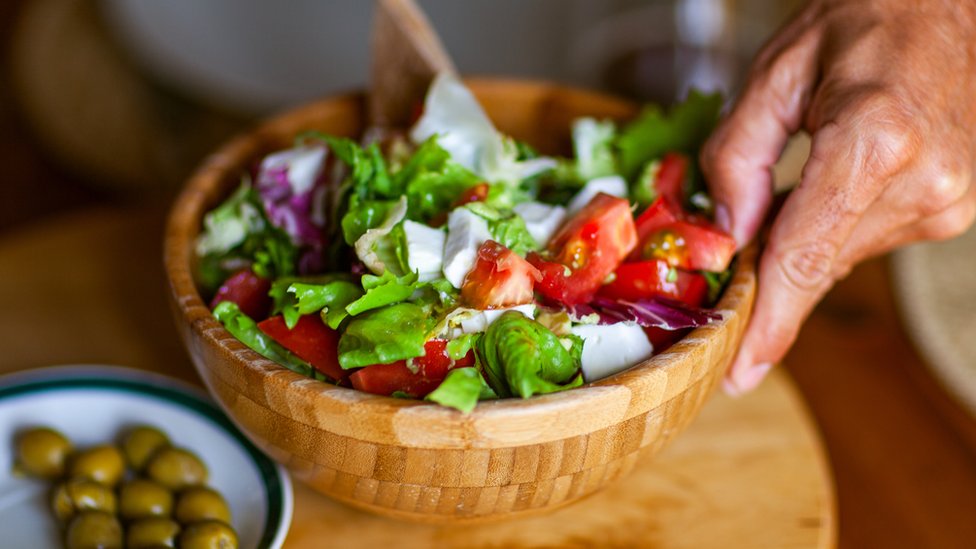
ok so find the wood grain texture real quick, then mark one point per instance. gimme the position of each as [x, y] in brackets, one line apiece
[406, 55]
[416, 460]
[747, 474]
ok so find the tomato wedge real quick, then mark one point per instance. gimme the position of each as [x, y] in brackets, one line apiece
[500, 278]
[428, 372]
[645, 279]
[670, 178]
[684, 241]
[659, 214]
[586, 250]
[311, 340]
[248, 290]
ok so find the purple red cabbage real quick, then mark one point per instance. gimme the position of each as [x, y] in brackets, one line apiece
[655, 312]
[293, 202]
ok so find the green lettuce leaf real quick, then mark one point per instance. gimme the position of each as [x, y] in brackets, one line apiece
[383, 290]
[293, 299]
[458, 347]
[506, 227]
[523, 358]
[682, 128]
[368, 177]
[380, 336]
[245, 329]
[363, 215]
[432, 181]
[642, 191]
[461, 390]
[382, 248]
[593, 148]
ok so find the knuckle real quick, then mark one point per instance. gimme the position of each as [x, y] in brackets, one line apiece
[951, 223]
[944, 189]
[808, 267]
[888, 144]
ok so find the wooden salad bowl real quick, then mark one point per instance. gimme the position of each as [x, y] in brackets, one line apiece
[416, 460]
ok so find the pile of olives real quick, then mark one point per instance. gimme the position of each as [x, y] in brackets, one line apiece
[143, 493]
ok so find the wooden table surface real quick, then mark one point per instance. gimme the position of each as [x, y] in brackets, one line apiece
[902, 452]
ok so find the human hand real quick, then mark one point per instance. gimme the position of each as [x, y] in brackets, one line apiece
[887, 89]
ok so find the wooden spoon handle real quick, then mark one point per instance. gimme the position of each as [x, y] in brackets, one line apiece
[406, 55]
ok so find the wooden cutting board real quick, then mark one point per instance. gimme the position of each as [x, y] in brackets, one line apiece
[749, 473]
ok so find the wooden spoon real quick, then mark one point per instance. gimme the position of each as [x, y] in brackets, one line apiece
[406, 55]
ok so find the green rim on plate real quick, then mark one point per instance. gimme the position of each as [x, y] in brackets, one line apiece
[269, 474]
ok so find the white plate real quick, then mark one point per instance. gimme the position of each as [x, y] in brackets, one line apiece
[92, 404]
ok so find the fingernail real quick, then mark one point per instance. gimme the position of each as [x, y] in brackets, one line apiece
[740, 381]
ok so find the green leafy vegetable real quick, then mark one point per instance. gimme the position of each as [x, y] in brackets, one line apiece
[363, 215]
[506, 228]
[432, 181]
[717, 282]
[396, 332]
[643, 191]
[593, 148]
[683, 128]
[368, 176]
[294, 299]
[462, 389]
[383, 290]
[381, 248]
[457, 348]
[245, 329]
[523, 358]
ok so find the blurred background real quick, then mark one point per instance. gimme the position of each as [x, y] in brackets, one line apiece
[121, 98]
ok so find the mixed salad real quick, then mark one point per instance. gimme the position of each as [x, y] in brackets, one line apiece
[455, 264]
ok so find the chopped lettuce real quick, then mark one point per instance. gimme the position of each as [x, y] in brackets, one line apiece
[593, 147]
[461, 390]
[458, 347]
[330, 299]
[432, 181]
[377, 249]
[452, 112]
[506, 227]
[383, 290]
[642, 190]
[523, 358]
[682, 128]
[380, 336]
[363, 215]
[717, 282]
[245, 329]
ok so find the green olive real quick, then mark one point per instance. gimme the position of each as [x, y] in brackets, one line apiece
[42, 452]
[152, 532]
[201, 503]
[140, 443]
[209, 534]
[101, 463]
[176, 468]
[81, 494]
[143, 498]
[94, 530]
